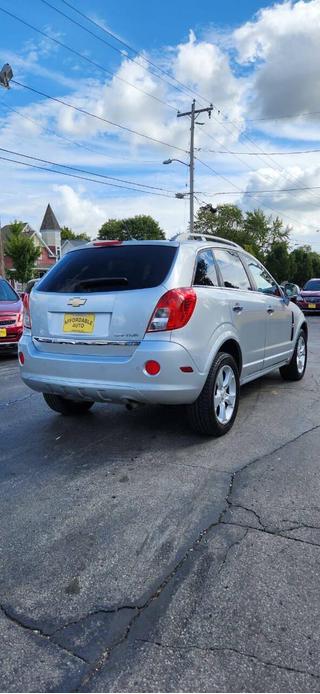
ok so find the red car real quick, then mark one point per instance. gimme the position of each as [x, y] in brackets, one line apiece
[309, 297]
[11, 316]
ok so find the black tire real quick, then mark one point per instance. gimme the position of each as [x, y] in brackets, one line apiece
[65, 406]
[201, 414]
[291, 371]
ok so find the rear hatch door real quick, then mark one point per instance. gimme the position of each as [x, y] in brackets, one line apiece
[99, 300]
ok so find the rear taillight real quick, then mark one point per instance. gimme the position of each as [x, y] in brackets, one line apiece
[21, 358]
[26, 315]
[173, 310]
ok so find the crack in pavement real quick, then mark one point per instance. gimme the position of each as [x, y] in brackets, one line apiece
[103, 658]
[37, 632]
[94, 613]
[249, 510]
[3, 405]
[279, 533]
[215, 649]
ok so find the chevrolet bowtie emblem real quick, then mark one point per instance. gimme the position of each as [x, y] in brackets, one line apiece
[76, 302]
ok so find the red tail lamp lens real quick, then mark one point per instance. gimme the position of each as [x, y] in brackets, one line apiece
[21, 358]
[152, 367]
[173, 310]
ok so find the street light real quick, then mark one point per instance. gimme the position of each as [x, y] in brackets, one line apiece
[6, 75]
[181, 196]
[169, 161]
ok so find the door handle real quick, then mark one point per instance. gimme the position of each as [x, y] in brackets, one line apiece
[270, 310]
[237, 308]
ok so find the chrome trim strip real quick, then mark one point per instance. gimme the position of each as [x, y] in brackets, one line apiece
[70, 341]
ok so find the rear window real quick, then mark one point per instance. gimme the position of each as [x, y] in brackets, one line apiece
[7, 293]
[112, 268]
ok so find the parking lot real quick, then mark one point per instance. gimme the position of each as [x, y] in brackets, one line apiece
[136, 556]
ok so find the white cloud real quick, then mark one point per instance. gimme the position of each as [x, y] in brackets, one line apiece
[278, 54]
[283, 43]
[203, 66]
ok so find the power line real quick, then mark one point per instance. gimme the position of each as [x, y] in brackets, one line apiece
[85, 171]
[290, 115]
[279, 168]
[254, 195]
[83, 178]
[180, 85]
[81, 145]
[130, 48]
[270, 190]
[93, 115]
[88, 60]
[255, 154]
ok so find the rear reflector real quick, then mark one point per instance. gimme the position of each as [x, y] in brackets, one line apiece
[21, 358]
[173, 310]
[186, 369]
[107, 243]
[152, 367]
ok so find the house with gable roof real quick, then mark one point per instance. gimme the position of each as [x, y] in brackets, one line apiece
[48, 239]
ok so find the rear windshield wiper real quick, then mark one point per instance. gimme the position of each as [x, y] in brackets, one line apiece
[101, 282]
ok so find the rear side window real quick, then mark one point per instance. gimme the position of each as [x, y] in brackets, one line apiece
[110, 268]
[205, 274]
[264, 282]
[7, 293]
[232, 271]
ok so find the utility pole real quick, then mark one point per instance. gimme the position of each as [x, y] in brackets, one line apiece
[193, 115]
[2, 265]
[6, 75]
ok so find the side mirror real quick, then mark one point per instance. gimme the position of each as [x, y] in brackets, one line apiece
[291, 291]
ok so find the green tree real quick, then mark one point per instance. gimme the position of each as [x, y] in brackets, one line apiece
[16, 227]
[141, 227]
[257, 232]
[22, 251]
[278, 261]
[315, 257]
[302, 265]
[68, 235]
[253, 230]
[227, 222]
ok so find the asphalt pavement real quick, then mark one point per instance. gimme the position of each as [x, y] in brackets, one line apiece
[137, 556]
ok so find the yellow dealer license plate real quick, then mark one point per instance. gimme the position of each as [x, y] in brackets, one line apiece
[78, 322]
[312, 305]
[3, 332]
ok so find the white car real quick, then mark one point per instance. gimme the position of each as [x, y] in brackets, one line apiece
[173, 322]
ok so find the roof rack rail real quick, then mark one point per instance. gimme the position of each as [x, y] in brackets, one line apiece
[204, 237]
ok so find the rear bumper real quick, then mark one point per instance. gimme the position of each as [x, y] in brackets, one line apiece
[114, 379]
[10, 341]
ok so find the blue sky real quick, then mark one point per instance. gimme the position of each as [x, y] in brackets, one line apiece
[253, 60]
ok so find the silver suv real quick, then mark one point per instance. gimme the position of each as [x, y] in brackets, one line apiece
[173, 322]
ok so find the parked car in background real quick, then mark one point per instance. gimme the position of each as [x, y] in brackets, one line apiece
[11, 316]
[30, 285]
[309, 297]
[171, 322]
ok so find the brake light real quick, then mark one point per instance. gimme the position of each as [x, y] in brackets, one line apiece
[173, 310]
[107, 243]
